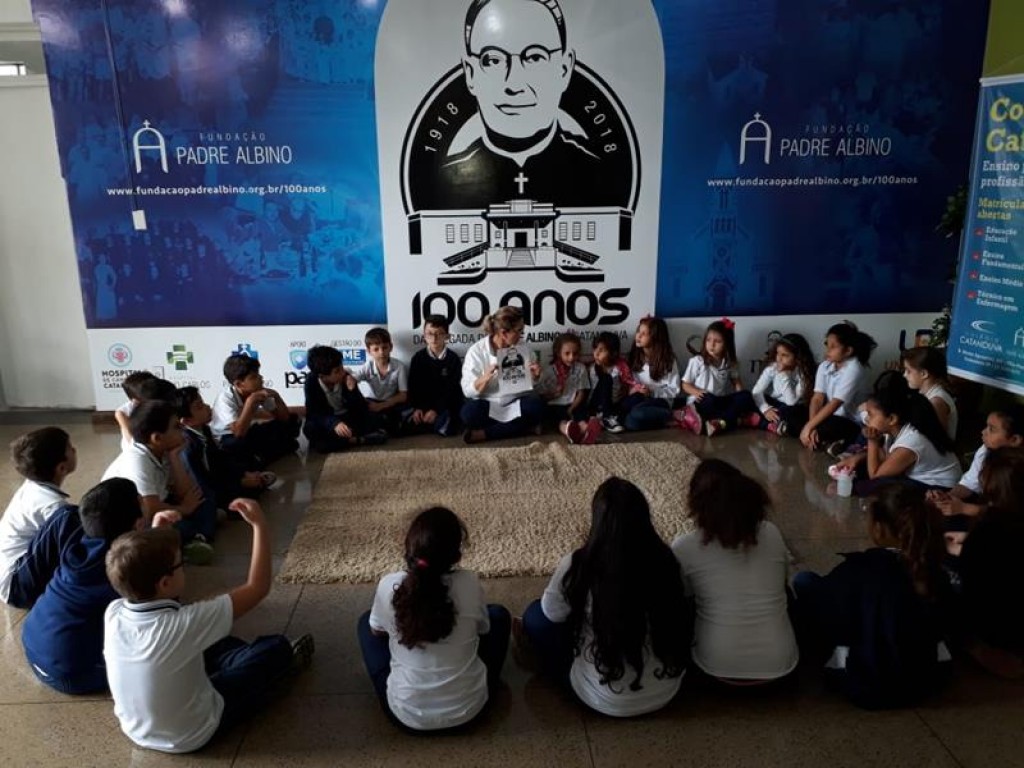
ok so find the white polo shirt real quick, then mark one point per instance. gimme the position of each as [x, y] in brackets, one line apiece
[442, 684]
[845, 381]
[615, 699]
[578, 379]
[665, 388]
[931, 467]
[377, 386]
[126, 409]
[785, 386]
[227, 407]
[154, 654]
[972, 477]
[939, 392]
[716, 379]
[33, 504]
[151, 475]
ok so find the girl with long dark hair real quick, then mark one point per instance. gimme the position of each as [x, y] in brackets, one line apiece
[612, 621]
[433, 648]
[905, 440]
[783, 390]
[655, 371]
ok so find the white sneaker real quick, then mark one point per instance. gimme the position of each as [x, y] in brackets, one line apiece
[611, 424]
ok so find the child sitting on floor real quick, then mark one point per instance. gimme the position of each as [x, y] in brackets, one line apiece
[177, 677]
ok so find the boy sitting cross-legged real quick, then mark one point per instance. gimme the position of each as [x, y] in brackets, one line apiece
[337, 416]
[435, 388]
[177, 677]
[39, 518]
[63, 633]
[384, 381]
[251, 422]
[154, 464]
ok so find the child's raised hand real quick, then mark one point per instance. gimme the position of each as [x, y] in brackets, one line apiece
[165, 518]
[250, 510]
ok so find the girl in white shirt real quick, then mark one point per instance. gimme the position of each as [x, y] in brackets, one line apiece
[656, 377]
[564, 385]
[734, 566]
[433, 648]
[612, 621]
[716, 400]
[839, 387]
[924, 368]
[906, 442]
[783, 390]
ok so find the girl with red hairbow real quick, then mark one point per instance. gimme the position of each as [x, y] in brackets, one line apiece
[716, 400]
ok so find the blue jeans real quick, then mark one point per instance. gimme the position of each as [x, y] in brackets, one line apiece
[203, 520]
[93, 681]
[551, 642]
[247, 675]
[377, 654]
[476, 415]
[644, 412]
[35, 568]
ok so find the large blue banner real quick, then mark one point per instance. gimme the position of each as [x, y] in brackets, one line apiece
[986, 340]
[222, 164]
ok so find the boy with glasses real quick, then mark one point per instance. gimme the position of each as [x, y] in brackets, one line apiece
[177, 677]
[435, 373]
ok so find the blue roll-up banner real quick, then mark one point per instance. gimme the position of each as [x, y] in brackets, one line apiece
[264, 175]
[986, 340]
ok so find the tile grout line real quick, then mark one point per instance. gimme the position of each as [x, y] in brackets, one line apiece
[586, 735]
[938, 738]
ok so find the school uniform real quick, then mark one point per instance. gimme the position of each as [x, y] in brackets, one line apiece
[264, 441]
[971, 479]
[434, 385]
[326, 407]
[932, 469]
[782, 390]
[63, 633]
[377, 386]
[546, 624]
[722, 400]
[941, 393]
[559, 386]
[845, 381]
[441, 684]
[175, 674]
[609, 387]
[36, 525]
[654, 410]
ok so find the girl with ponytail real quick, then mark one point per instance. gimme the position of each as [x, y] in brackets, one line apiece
[878, 613]
[433, 648]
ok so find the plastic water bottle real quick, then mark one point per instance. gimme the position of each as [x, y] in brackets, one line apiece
[844, 484]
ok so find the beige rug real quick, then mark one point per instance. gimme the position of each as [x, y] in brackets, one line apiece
[525, 507]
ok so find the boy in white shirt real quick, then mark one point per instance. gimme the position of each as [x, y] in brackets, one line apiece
[39, 519]
[153, 462]
[250, 421]
[384, 381]
[132, 388]
[176, 676]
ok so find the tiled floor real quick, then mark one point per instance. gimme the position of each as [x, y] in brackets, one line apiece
[332, 717]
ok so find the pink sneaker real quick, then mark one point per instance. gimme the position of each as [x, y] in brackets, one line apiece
[715, 425]
[592, 432]
[773, 427]
[688, 418]
[752, 420]
[571, 430]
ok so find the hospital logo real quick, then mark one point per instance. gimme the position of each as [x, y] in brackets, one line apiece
[180, 358]
[119, 355]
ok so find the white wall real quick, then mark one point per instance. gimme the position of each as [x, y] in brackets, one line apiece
[15, 11]
[43, 351]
